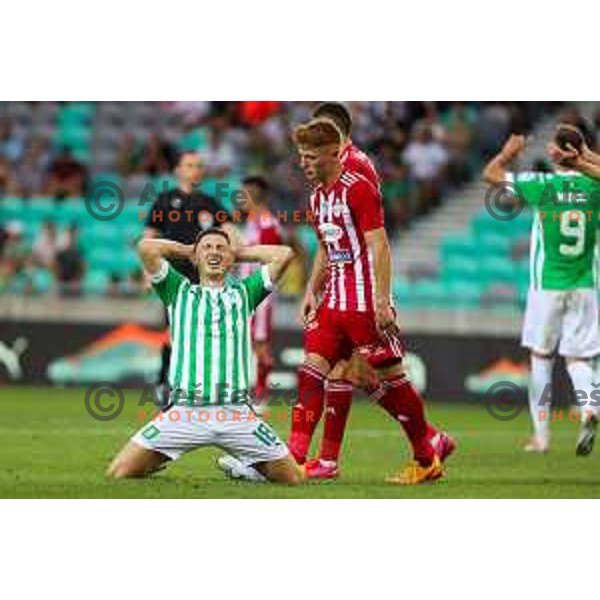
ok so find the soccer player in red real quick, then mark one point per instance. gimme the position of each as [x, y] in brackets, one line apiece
[356, 372]
[353, 270]
[260, 228]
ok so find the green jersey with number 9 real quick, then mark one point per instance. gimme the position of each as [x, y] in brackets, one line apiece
[563, 253]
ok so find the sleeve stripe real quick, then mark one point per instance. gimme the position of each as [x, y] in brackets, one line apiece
[266, 277]
[161, 274]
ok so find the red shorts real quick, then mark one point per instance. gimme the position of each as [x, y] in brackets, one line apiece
[262, 322]
[335, 335]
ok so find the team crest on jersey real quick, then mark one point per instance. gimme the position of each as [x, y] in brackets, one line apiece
[176, 203]
[331, 232]
[206, 220]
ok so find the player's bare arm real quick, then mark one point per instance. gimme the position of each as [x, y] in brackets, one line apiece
[496, 171]
[379, 245]
[308, 306]
[276, 258]
[585, 161]
[153, 251]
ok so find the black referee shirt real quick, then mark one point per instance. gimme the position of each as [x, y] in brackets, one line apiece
[181, 217]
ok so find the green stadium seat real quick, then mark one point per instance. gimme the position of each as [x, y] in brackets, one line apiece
[498, 271]
[195, 140]
[76, 138]
[95, 282]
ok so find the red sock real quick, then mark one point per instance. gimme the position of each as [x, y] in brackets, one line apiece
[338, 399]
[307, 413]
[403, 403]
[263, 370]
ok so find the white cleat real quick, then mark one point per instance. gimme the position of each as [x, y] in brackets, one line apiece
[587, 437]
[231, 466]
[537, 445]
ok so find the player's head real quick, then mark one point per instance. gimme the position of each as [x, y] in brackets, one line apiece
[319, 144]
[256, 190]
[339, 114]
[214, 254]
[189, 169]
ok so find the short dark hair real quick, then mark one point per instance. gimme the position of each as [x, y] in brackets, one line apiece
[258, 181]
[338, 113]
[211, 231]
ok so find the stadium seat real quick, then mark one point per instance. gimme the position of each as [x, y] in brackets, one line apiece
[95, 283]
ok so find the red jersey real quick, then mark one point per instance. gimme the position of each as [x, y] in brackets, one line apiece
[357, 161]
[343, 214]
[260, 229]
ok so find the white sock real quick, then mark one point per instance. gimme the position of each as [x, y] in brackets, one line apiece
[582, 376]
[539, 406]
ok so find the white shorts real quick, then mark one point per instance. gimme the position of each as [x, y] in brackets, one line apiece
[235, 429]
[566, 321]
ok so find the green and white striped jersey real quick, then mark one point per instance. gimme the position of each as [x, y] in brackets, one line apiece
[210, 334]
[564, 249]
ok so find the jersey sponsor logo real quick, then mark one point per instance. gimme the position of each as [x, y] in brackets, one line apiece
[331, 232]
[341, 256]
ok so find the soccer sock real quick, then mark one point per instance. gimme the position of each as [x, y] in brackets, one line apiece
[539, 408]
[338, 399]
[307, 412]
[401, 401]
[582, 376]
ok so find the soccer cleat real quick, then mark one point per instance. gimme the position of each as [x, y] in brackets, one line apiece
[230, 466]
[537, 445]
[415, 474]
[321, 470]
[587, 436]
[443, 445]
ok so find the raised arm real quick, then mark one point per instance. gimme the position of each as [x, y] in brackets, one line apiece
[496, 171]
[153, 251]
[276, 258]
[584, 161]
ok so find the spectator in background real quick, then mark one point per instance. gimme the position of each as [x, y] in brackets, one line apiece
[5, 177]
[45, 246]
[70, 266]
[158, 156]
[11, 146]
[29, 175]
[461, 122]
[67, 177]
[15, 253]
[219, 157]
[427, 160]
[395, 187]
[129, 157]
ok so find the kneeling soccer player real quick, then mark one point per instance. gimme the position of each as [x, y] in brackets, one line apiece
[210, 335]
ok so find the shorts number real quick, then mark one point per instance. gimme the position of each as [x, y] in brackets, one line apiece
[572, 225]
[265, 435]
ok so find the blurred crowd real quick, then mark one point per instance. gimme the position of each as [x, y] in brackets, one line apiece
[53, 263]
[423, 150]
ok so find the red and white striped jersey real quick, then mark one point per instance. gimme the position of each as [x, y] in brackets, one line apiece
[260, 229]
[343, 214]
[357, 161]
